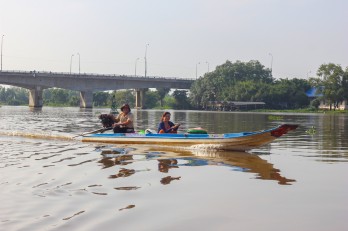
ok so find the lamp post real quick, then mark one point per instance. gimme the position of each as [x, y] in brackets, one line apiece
[145, 58]
[2, 40]
[135, 68]
[71, 62]
[79, 63]
[271, 62]
[196, 68]
[208, 65]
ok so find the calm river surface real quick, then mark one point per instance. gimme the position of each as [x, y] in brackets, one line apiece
[50, 180]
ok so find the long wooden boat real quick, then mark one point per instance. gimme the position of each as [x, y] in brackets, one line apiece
[230, 141]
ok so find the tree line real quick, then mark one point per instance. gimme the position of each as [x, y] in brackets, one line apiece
[238, 81]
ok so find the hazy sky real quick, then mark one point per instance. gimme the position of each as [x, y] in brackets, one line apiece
[110, 35]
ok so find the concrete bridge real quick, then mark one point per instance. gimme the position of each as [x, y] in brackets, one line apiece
[36, 82]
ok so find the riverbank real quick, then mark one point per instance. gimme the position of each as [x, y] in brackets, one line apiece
[306, 110]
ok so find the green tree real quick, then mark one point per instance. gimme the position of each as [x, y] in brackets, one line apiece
[288, 93]
[168, 101]
[74, 101]
[14, 96]
[332, 83]
[100, 98]
[181, 99]
[60, 96]
[162, 92]
[47, 96]
[345, 84]
[57, 96]
[230, 81]
[122, 97]
[151, 99]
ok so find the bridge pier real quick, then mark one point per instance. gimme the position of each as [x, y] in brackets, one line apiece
[35, 97]
[139, 98]
[86, 99]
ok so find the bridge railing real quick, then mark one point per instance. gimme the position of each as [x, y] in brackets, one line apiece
[86, 75]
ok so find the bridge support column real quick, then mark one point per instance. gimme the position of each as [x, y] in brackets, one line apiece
[86, 99]
[139, 98]
[35, 97]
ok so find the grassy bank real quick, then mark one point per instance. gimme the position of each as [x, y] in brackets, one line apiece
[306, 110]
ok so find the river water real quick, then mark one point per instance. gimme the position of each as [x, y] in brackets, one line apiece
[50, 180]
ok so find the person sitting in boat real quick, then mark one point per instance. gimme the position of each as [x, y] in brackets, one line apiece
[167, 126]
[124, 121]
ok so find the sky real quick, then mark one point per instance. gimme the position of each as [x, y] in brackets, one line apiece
[294, 37]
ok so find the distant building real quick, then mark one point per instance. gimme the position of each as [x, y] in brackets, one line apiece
[313, 94]
[341, 106]
[233, 105]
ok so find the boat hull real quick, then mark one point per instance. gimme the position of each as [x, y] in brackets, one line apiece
[230, 141]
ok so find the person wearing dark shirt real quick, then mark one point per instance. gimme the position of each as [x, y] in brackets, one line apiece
[167, 126]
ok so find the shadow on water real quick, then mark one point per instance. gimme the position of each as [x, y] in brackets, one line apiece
[168, 159]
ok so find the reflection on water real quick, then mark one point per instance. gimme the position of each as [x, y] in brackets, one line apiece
[236, 161]
[246, 162]
[123, 172]
[76, 214]
[128, 207]
[164, 165]
[168, 179]
[127, 188]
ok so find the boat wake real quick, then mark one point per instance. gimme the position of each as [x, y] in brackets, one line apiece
[41, 135]
[206, 147]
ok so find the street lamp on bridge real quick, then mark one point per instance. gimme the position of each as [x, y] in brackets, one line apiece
[271, 62]
[71, 62]
[2, 39]
[146, 58]
[135, 71]
[79, 63]
[207, 64]
[196, 68]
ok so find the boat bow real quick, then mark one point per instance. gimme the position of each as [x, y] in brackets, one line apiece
[283, 129]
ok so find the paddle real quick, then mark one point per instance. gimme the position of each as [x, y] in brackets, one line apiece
[101, 130]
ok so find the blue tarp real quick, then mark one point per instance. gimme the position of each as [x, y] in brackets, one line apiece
[313, 92]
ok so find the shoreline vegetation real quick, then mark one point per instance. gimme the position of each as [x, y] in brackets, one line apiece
[303, 110]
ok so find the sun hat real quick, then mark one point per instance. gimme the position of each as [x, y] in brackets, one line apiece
[124, 106]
